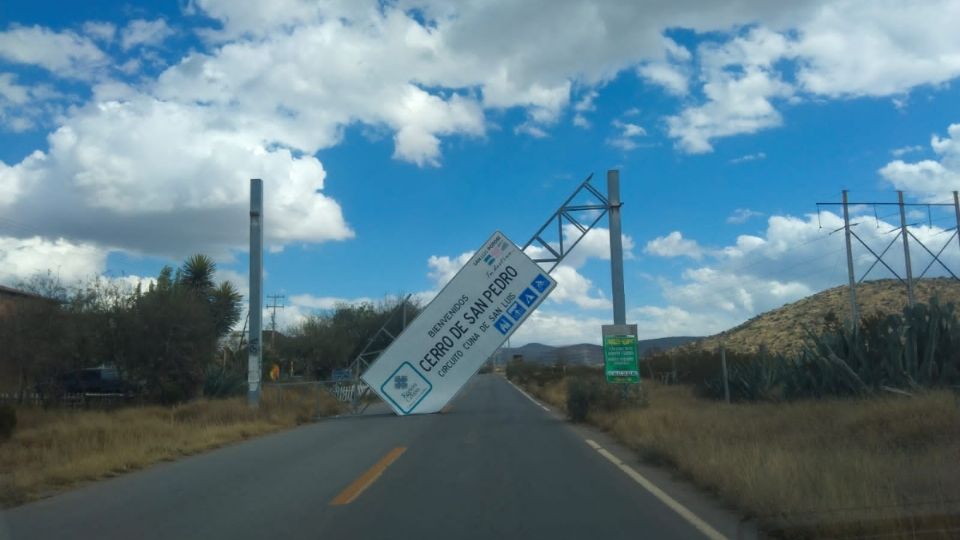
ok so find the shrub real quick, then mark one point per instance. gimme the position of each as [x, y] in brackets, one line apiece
[8, 421]
[224, 382]
[586, 393]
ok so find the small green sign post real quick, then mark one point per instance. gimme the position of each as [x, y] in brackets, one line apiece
[620, 359]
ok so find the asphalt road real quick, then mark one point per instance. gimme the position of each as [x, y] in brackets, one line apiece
[495, 466]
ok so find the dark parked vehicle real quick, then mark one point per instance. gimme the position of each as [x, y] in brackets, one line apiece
[88, 381]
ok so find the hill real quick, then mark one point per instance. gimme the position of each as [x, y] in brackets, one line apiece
[783, 330]
[583, 353]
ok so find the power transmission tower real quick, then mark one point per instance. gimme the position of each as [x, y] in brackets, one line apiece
[273, 316]
[905, 235]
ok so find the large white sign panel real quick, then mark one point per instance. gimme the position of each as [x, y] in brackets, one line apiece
[460, 329]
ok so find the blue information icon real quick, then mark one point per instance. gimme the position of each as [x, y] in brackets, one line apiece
[503, 325]
[540, 283]
[516, 311]
[528, 297]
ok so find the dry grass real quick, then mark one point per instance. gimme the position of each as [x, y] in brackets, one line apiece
[55, 450]
[553, 392]
[784, 329]
[790, 458]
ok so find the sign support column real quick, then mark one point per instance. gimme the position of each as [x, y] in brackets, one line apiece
[616, 247]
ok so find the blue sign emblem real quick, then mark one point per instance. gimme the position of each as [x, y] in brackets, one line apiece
[400, 382]
[540, 283]
[528, 297]
[503, 325]
[516, 311]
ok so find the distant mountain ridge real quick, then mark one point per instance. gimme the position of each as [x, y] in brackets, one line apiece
[582, 353]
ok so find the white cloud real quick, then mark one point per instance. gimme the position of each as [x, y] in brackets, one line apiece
[792, 259]
[749, 157]
[574, 288]
[673, 79]
[309, 301]
[65, 54]
[532, 130]
[141, 32]
[672, 72]
[101, 31]
[21, 258]
[674, 245]
[628, 133]
[584, 105]
[742, 215]
[443, 268]
[554, 328]
[594, 245]
[904, 150]
[878, 48]
[738, 100]
[931, 179]
[834, 50]
[143, 165]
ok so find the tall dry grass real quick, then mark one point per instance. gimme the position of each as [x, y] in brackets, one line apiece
[53, 450]
[811, 459]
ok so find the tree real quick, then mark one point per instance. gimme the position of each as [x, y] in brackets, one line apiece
[173, 330]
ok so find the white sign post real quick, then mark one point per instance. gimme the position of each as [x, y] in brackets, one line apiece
[474, 314]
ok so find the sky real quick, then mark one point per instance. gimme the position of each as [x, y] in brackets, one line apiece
[393, 137]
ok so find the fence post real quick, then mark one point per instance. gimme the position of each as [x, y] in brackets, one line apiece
[726, 378]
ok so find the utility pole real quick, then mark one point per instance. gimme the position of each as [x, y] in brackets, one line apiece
[273, 316]
[906, 249]
[255, 348]
[854, 316]
[616, 247]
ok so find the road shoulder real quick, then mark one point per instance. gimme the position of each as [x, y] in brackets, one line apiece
[706, 506]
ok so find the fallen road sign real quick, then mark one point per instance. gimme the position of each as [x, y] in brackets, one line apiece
[489, 298]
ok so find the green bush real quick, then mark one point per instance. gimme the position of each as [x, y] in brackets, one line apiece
[591, 392]
[8, 421]
[534, 373]
[222, 383]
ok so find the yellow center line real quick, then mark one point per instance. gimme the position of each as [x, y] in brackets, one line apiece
[351, 492]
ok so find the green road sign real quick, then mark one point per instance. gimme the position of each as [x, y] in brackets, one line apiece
[620, 358]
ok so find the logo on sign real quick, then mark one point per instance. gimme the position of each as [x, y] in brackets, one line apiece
[528, 297]
[503, 325]
[540, 283]
[406, 387]
[516, 311]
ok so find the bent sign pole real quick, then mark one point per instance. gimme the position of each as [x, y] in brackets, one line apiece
[474, 314]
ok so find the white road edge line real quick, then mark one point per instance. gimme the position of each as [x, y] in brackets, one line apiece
[685, 513]
[535, 402]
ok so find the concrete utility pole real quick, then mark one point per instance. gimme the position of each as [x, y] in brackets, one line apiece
[273, 316]
[255, 346]
[906, 249]
[616, 247]
[854, 316]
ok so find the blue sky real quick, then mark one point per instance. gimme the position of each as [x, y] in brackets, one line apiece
[394, 137]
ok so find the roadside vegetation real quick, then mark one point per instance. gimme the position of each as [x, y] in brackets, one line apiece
[174, 342]
[55, 449]
[856, 434]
